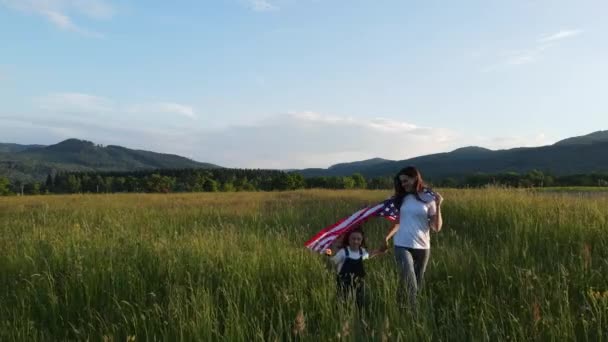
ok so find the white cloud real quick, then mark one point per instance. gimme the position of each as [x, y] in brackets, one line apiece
[91, 105]
[176, 108]
[97, 9]
[165, 108]
[380, 124]
[309, 139]
[61, 12]
[291, 140]
[78, 103]
[61, 20]
[262, 5]
[562, 34]
[526, 56]
[534, 53]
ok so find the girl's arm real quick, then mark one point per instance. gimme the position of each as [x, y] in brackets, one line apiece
[335, 246]
[436, 220]
[337, 257]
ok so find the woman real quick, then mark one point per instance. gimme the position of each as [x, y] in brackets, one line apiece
[420, 211]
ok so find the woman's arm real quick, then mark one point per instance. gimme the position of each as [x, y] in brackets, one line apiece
[437, 220]
[390, 234]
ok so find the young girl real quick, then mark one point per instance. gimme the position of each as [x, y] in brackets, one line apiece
[349, 264]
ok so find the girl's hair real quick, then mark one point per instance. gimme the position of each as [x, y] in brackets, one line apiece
[349, 233]
[400, 192]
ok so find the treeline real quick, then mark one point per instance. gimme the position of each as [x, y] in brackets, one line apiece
[227, 180]
[188, 180]
[530, 179]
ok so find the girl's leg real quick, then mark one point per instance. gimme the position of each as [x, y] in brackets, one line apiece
[408, 287]
[360, 293]
[345, 289]
[342, 289]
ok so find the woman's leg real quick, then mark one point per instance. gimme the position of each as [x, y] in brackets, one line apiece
[408, 287]
[421, 260]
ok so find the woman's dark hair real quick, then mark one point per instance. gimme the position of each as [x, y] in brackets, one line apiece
[349, 233]
[400, 192]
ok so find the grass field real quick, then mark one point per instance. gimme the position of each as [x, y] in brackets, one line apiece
[508, 265]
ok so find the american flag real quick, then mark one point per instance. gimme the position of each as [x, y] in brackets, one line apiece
[387, 209]
[323, 239]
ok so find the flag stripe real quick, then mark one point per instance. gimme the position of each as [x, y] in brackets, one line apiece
[351, 221]
[354, 223]
[329, 229]
[322, 244]
[337, 226]
[326, 236]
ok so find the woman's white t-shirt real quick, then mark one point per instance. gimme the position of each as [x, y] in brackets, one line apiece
[340, 256]
[414, 226]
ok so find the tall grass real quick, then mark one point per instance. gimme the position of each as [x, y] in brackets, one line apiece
[509, 265]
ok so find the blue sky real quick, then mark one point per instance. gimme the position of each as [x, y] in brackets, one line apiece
[302, 83]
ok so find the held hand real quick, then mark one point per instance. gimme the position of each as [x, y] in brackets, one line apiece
[438, 199]
[377, 252]
[384, 247]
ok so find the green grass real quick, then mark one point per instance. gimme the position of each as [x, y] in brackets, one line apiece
[581, 189]
[508, 265]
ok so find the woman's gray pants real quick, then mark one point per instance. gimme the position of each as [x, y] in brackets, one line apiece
[412, 264]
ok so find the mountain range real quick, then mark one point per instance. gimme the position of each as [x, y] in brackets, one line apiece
[34, 162]
[582, 154]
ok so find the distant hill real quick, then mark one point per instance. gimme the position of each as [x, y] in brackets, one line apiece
[363, 163]
[595, 137]
[471, 151]
[10, 148]
[344, 167]
[585, 154]
[27, 162]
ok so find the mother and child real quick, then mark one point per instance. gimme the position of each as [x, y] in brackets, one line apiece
[419, 213]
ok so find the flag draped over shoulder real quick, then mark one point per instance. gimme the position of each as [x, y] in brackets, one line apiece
[323, 239]
[387, 209]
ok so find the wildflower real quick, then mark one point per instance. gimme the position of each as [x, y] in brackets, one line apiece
[536, 313]
[587, 255]
[299, 324]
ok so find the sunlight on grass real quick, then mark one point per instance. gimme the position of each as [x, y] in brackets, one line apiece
[509, 264]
